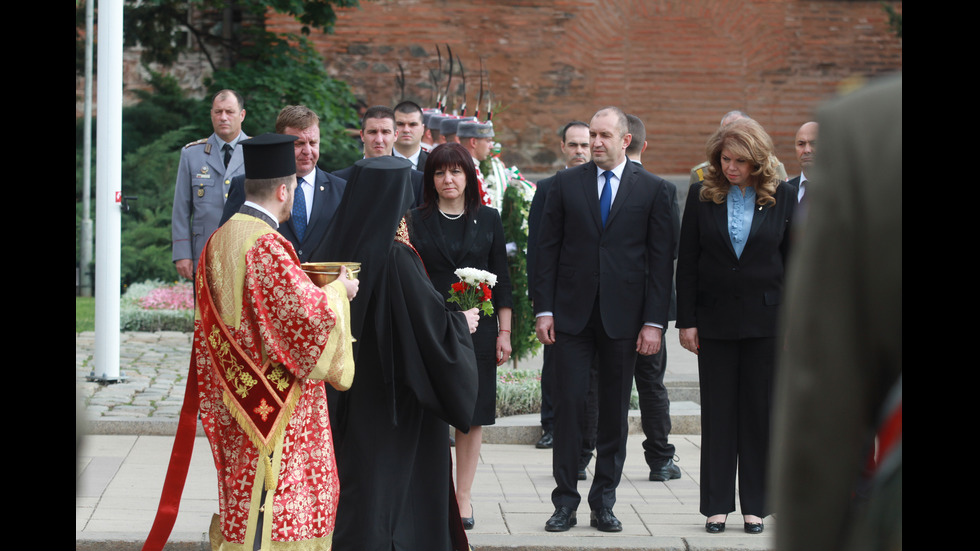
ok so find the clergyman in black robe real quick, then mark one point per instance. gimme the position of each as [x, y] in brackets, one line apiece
[415, 373]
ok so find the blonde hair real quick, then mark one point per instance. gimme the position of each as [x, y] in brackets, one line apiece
[745, 139]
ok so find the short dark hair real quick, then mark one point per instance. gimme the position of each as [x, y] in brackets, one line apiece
[564, 130]
[639, 133]
[408, 107]
[228, 91]
[449, 155]
[379, 112]
[263, 188]
[621, 123]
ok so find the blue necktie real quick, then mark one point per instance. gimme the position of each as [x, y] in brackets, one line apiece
[605, 198]
[299, 211]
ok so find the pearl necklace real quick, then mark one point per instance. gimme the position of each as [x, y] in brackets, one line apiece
[451, 217]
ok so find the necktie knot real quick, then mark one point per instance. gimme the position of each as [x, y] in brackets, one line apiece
[299, 210]
[605, 198]
[227, 149]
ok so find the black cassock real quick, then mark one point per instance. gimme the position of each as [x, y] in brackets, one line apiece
[415, 373]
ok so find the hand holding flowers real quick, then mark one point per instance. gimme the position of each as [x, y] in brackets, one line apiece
[473, 290]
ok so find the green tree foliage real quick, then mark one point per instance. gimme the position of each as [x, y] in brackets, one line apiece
[288, 71]
[161, 110]
[149, 174]
[894, 18]
[270, 70]
[158, 25]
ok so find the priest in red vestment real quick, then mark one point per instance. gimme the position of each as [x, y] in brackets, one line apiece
[265, 337]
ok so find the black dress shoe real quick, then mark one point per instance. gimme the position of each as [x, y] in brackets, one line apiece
[561, 521]
[547, 441]
[754, 527]
[668, 471]
[714, 527]
[606, 521]
[468, 522]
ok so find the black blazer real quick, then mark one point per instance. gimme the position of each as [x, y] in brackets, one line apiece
[345, 173]
[724, 296]
[483, 248]
[628, 264]
[327, 193]
[534, 216]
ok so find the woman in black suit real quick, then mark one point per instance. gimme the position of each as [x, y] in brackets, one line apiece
[734, 240]
[453, 230]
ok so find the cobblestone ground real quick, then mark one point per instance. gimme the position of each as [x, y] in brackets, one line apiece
[154, 367]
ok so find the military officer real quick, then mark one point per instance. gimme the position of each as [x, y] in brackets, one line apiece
[205, 172]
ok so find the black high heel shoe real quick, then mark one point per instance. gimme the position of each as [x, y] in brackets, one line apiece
[754, 527]
[714, 527]
[468, 522]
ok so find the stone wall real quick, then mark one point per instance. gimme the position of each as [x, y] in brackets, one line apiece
[677, 64]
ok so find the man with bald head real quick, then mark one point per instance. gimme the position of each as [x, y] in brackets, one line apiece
[602, 286]
[806, 150]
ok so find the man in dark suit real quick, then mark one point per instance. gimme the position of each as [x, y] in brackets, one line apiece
[575, 150]
[378, 136]
[649, 372]
[317, 193]
[602, 287]
[409, 128]
[806, 151]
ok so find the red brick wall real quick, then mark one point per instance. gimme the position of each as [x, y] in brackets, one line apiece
[677, 64]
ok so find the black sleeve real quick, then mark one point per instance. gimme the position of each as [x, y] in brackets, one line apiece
[235, 200]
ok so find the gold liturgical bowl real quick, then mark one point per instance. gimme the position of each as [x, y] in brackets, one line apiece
[323, 273]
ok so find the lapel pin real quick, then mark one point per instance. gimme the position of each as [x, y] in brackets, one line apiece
[321, 188]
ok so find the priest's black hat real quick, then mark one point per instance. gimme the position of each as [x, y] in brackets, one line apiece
[269, 156]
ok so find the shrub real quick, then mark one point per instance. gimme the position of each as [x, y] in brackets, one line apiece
[519, 393]
[144, 307]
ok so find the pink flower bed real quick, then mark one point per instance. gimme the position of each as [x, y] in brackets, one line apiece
[179, 296]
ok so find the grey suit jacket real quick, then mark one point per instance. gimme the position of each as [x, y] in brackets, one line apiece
[200, 193]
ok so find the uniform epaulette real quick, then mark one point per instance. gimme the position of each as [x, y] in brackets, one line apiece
[198, 142]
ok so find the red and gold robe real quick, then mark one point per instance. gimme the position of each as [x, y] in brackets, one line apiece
[295, 335]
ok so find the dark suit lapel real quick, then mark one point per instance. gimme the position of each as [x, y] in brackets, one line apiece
[589, 180]
[318, 197]
[757, 219]
[469, 235]
[721, 222]
[435, 230]
[626, 184]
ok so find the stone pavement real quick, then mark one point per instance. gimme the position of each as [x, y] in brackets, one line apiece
[123, 460]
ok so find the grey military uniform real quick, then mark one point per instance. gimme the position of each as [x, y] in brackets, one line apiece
[200, 193]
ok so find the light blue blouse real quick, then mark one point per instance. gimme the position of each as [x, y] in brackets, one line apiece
[740, 210]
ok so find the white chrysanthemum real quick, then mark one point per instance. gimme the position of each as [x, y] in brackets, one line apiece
[475, 277]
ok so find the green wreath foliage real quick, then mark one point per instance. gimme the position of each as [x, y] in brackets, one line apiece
[514, 215]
